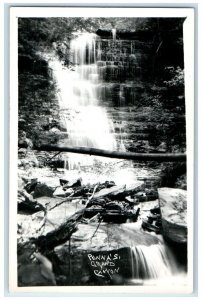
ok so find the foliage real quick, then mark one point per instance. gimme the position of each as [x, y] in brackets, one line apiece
[44, 31]
[176, 77]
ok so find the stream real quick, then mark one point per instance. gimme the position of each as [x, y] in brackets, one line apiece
[116, 251]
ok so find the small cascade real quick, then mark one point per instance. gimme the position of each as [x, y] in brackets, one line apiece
[131, 47]
[121, 96]
[114, 34]
[151, 262]
[83, 49]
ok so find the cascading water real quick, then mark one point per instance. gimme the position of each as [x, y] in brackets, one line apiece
[156, 264]
[85, 94]
[114, 34]
[149, 258]
[79, 90]
[150, 262]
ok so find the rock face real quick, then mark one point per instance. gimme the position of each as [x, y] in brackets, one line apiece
[173, 206]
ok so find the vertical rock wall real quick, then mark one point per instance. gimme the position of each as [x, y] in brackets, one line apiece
[123, 66]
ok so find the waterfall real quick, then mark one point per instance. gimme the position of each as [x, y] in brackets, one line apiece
[91, 127]
[156, 264]
[150, 262]
[114, 34]
[83, 49]
[79, 89]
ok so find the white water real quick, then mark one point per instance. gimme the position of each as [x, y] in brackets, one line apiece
[150, 262]
[81, 90]
[114, 34]
[86, 121]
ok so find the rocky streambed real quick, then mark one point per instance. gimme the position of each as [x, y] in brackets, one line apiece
[62, 216]
[75, 228]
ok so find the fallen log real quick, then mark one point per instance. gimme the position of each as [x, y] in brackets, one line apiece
[56, 237]
[115, 154]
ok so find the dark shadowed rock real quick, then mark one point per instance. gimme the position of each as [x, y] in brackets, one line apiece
[42, 189]
[36, 273]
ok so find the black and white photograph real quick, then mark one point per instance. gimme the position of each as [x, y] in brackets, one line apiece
[102, 150]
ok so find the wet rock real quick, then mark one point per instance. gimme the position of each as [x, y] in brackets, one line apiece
[173, 206]
[30, 160]
[114, 205]
[23, 141]
[83, 191]
[133, 188]
[151, 194]
[181, 182]
[76, 182]
[29, 226]
[147, 225]
[56, 164]
[131, 200]
[119, 192]
[63, 181]
[30, 187]
[46, 267]
[141, 196]
[52, 182]
[155, 210]
[29, 207]
[38, 273]
[60, 192]
[54, 130]
[62, 127]
[171, 172]
[115, 190]
[42, 189]
[109, 184]
[23, 195]
[162, 147]
[100, 202]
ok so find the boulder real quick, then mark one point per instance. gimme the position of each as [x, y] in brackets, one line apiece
[60, 192]
[37, 273]
[75, 182]
[43, 189]
[29, 207]
[134, 187]
[31, 185]
[54, 130]
[173, 207]
[52, 182]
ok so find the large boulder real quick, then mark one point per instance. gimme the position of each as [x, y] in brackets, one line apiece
[173, 207]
